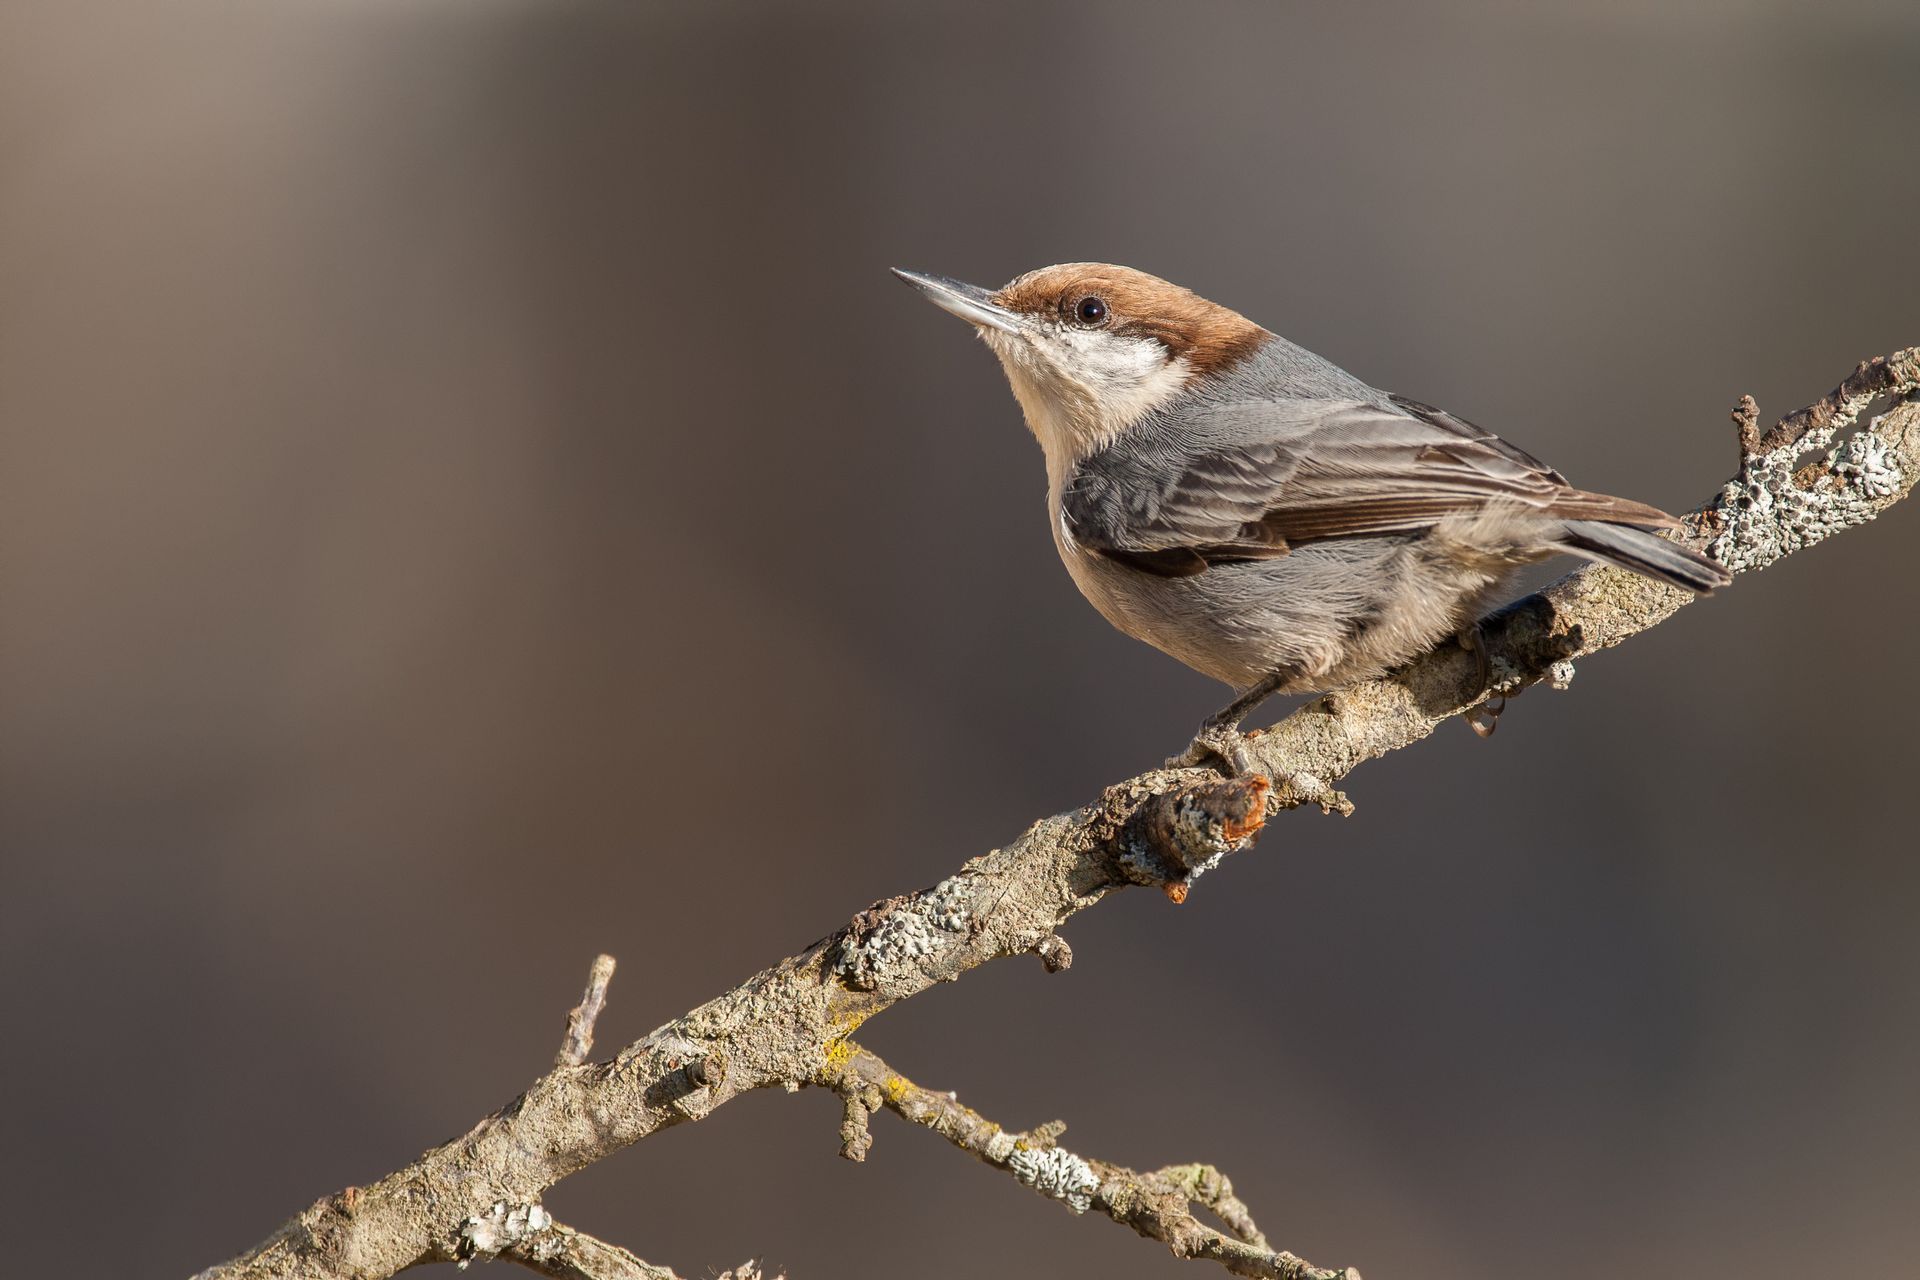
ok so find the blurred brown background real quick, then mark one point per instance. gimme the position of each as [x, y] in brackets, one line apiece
[473, 497]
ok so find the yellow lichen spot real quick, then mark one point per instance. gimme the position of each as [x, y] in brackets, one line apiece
[839, 1053]
[897, 1087]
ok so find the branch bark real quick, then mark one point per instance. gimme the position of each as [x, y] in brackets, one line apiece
[579, 1042]
[1813, 474]
[528, 1235]
[1158, 1205]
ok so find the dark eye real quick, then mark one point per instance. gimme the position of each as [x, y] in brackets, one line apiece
[1090, 310]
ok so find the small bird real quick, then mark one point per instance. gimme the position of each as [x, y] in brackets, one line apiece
[1257, 512]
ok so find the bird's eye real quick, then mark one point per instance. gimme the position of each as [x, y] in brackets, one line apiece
[1090, 310]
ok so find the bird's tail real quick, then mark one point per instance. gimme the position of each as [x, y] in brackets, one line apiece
[1645, 552]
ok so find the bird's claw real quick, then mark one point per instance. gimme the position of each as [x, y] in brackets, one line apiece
[1222, 743]
[1220, 738]
[1485, 718]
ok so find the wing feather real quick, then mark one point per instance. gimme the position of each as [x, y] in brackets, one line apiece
[1299, 471]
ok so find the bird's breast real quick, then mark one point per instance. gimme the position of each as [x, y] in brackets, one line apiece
[1101, 581]
[1181, 617]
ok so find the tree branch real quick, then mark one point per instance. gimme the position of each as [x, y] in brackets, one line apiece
[1772, 508]
[579, 1042]
[528, 1235]
[566, 1254]
[789, 1025]
[1158, 1205]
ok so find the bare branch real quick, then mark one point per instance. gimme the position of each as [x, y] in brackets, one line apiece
[566, 1254]
[1158, 1205]
[528, 1235]
[579, 1042]
[789, 1025]
[1894, 375]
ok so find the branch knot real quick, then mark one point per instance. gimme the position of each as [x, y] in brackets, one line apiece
[1175, 838]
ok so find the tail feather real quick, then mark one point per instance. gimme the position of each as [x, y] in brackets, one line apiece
[1645, 552]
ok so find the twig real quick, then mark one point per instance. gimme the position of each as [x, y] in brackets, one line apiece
[566, 1254]
[1746, 417]
[856, 1139]
[579, 1042]
[789, 1025]
[528, 1235]
[1158, 1205]
[1894, 375]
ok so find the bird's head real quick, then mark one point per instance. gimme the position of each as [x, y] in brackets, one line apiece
[1091, 348]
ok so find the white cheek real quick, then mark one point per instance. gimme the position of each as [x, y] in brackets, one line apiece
[1125, 377]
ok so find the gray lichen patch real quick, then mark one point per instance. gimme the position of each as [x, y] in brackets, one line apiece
[910, 932]
[1144, 866]
[1503, 676]
[1056, 1172]
[1776, 508]
[484, 1236]
[947, 905]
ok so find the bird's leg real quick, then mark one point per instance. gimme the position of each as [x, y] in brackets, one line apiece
[1219, 737]
[1483, 719]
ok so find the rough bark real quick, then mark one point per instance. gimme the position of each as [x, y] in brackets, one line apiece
[1811, 475]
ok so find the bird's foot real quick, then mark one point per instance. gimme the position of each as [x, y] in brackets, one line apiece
[1217, 743]
[1220, 738]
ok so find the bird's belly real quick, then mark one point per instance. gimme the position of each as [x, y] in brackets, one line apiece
[1328, 613]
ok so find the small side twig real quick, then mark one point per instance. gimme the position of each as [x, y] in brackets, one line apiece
[1895, 374]
[579, 1042]
[528, 1235]
[856, 1139]
[554, 1249]
[1157, 1205]
[566, 1254]
[1205, 1185]
[1746, 416]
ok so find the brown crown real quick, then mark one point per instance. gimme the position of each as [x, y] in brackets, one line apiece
[1205, 334]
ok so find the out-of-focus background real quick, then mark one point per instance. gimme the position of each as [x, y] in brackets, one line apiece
[473, 497]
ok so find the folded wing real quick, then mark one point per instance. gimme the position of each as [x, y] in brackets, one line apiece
[1300, 471]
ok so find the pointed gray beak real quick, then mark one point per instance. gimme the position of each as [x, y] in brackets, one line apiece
[968, 301]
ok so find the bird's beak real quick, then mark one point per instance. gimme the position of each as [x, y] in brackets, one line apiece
[968, 301]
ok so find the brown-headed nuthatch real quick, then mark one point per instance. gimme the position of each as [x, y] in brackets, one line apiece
[1259, 513]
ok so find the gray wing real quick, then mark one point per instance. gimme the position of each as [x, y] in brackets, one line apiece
[1251, 480]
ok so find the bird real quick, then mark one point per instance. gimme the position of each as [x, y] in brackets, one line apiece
[1259, 513]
